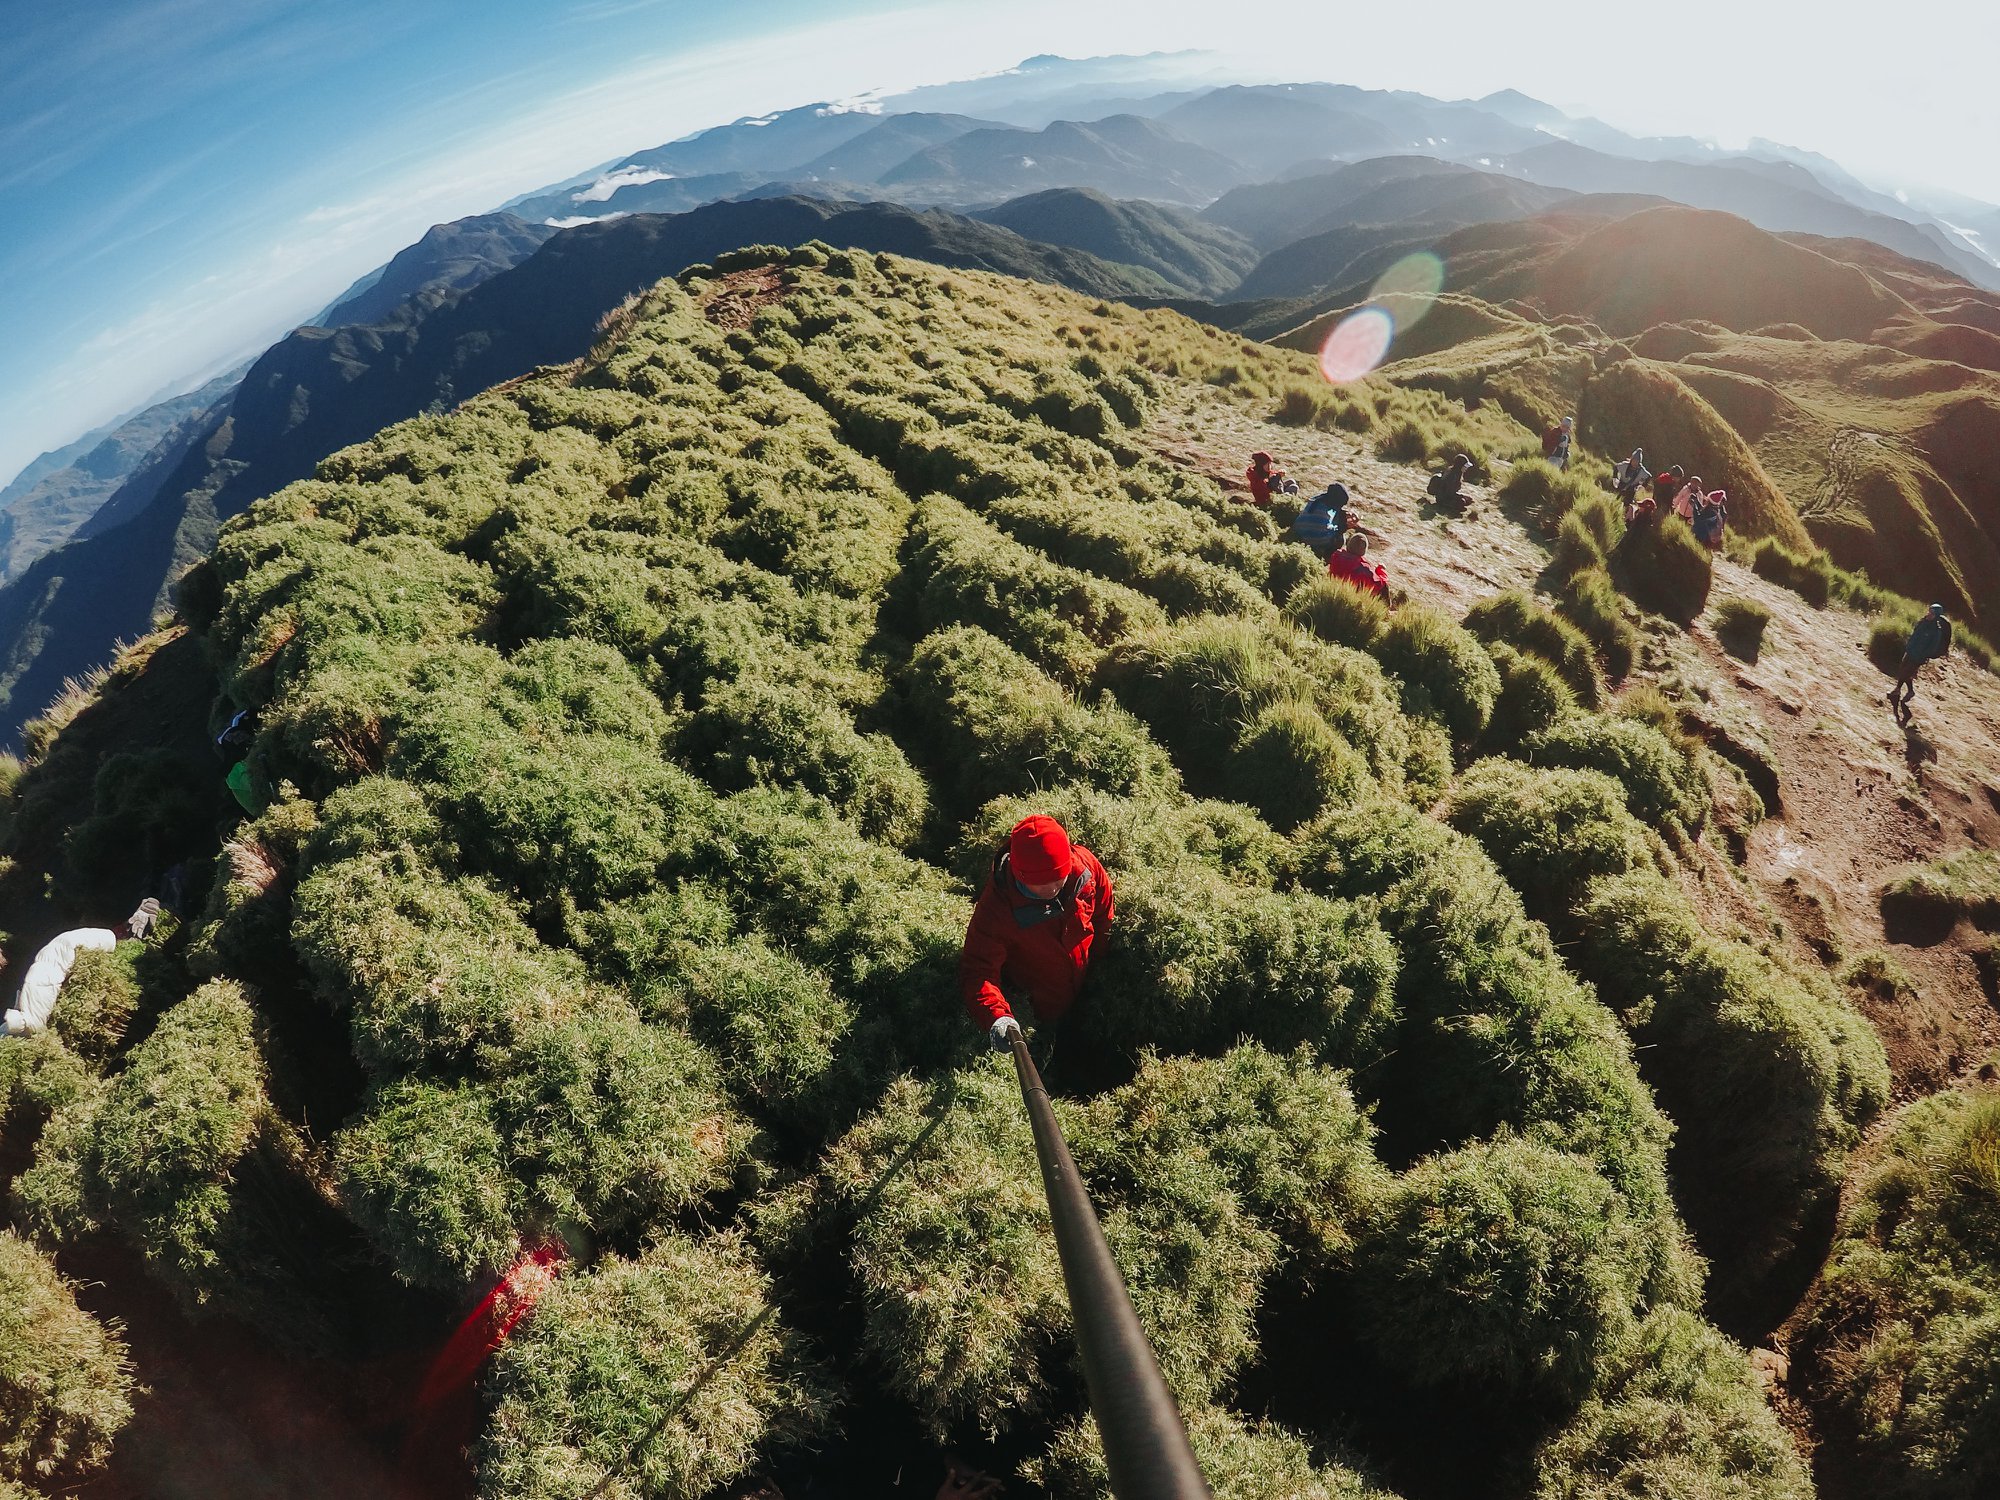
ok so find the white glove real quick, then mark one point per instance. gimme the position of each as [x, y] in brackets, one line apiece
[1000, 1035]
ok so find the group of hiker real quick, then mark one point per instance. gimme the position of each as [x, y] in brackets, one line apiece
[1326, 523]
[1647, 496]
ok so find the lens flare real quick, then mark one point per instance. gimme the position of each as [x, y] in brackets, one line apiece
[511, 1299]
[1356, 344]
[1408, 288]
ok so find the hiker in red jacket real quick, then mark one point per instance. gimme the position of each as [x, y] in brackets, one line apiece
[1044, 904]
[1266, 478]
[1350, 565]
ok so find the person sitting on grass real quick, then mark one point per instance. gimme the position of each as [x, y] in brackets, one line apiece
[1447, 485]
[1267, 477]
[1323, 522]
[1929, 641]
[1350, 565]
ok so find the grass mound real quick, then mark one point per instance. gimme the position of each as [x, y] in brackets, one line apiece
[665, 1374]
[65, 1381]
[1515, 619]
[1501, 1264]
[1906, 1333]
[1963, 884]
[1740, 626]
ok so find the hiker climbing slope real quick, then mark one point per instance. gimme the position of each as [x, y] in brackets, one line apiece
[44, 981]
[1044, 904]
[1929, 641]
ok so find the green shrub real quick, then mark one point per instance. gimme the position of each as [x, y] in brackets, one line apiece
[1533, 696]
[97, 1001]
[1768, 1078]
[1403, 440]
[1194, 963]
[65, 1380]
[422, 1172]
[1337, 612]
[1284, 1133]
[1289, 765]
[757, 732]
[1240, 1461]
[661, 1375]
[1739, 625]
[1590, 603]
[1514, 619]
[38, 1076]
[1663, 784]
[1444, 672]
[1199, 684]
[1677, 1412]
[1809, 575]
[774, 1024]
[185, 1155]
[1550, 832]
[148, 810]
[997, 726]
[1502, 1264]
[1545, 492]
[434, 972]
[1576, 550]
[962, 1291]
[1666, 569]
[1496, 1032]
[1905, 1336]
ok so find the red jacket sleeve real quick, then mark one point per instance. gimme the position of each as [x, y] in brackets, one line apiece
[1107, 914]
[979, 965]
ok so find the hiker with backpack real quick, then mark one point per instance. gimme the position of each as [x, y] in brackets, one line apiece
[1929, 641]
[1350, 565]
[1556, 441]
[1711, 515]
[1684, 499]
[1266, 478]
[1666, 486]
[1626, 479]
[1323, 522]
[1045, 901]
[1447, 485]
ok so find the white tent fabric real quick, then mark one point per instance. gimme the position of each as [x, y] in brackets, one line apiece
[47, 973]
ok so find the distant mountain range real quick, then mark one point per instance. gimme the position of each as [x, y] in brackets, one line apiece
[1259, 207]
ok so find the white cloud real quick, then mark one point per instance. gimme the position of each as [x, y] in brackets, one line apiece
[611, 182]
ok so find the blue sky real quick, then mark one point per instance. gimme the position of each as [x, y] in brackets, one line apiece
[181, 181]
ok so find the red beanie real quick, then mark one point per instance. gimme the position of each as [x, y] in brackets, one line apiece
[1038, 851]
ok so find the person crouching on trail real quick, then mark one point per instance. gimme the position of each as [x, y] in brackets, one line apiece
[1323, 521]
[1044, 904]
[1447, 486]
[1928, 642]
[1350, 565]
[1266, 478]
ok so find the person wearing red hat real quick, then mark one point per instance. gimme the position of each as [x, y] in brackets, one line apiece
[1044, 904]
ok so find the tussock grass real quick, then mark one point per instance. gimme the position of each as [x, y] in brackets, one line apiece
[65, 1381]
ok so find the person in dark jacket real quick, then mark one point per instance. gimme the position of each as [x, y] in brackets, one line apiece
[1044, 904]
[1929, 641]
[1447, 486]
[1324, 520]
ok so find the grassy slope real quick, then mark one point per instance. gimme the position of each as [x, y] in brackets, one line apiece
[598, 685]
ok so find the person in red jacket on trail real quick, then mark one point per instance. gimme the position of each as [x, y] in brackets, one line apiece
[1350, 565]
[1044, 904]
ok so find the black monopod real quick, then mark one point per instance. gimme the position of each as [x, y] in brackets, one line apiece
[1145, 1442]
